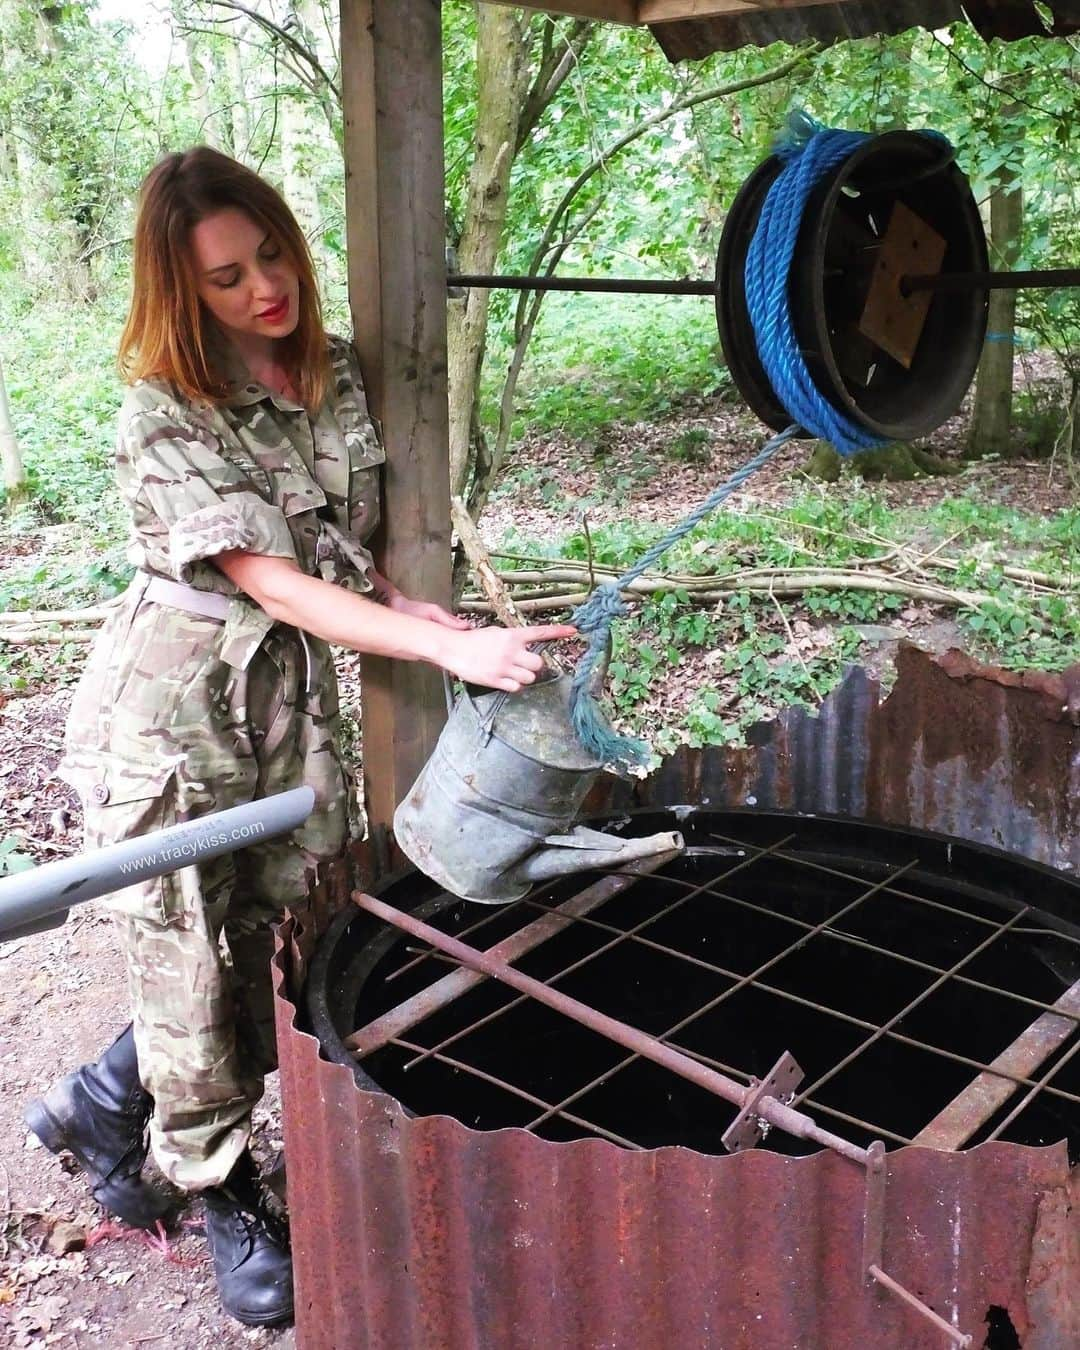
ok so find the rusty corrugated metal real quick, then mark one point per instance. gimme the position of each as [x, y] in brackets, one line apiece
[693, 39]
[965, 750]
[419, 1233]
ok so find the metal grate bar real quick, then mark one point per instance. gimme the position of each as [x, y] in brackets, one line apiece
[741, 983]
[861, 881]
[767, 1108]
[515, 1091]
[622, 936]
[877, 1031]
[911, 1006]
[969, 1111]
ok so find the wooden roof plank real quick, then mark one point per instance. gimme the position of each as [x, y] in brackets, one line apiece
[653, 12]
[609, 11]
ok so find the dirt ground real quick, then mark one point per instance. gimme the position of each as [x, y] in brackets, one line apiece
[67, 1277]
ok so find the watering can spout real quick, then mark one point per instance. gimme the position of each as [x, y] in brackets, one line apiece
[585, 850]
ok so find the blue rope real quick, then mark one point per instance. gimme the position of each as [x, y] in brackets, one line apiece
[809, 151]
[595, 617]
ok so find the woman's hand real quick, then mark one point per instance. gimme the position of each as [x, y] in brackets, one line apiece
[423, 609]
[500, 657]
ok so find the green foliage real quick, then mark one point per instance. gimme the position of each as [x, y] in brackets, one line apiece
[599, 359]
[11, 859]
[64, 396]
[754, 666]
[690, 446]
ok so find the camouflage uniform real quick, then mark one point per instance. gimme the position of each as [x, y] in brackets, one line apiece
[180, 714]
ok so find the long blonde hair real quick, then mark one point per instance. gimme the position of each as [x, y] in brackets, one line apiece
[167, 329]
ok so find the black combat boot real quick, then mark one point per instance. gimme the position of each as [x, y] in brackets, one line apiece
[250, 1248]
[99, 1114]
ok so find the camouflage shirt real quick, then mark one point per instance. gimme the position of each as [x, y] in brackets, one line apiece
[252, 473]
[165, 688]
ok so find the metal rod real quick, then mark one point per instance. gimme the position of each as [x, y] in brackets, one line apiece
[957, 1337]
[462, 1067]
[969, 1111]
[1043, 1085]
[1046, 279]
[792, 1122]
[391, 1024]
[619, 285]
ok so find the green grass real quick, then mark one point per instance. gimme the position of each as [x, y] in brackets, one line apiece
[598, 359]
[64, 394]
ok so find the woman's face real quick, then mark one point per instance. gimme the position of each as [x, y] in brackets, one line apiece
[244, 277]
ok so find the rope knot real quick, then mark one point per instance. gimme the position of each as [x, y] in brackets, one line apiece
[598, 613]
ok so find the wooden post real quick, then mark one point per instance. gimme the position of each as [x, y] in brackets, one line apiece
[392, 89]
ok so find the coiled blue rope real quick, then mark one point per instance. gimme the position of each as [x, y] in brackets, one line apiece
[809, 151]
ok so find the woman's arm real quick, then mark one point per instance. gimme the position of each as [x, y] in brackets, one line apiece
[388, 594]
[496, 657]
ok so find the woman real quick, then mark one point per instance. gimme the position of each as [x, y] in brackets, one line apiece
[249, 463]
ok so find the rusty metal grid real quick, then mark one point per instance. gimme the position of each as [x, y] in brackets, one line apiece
[420, 1232]
[973, 934]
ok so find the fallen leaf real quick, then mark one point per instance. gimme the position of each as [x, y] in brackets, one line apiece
[65, 1237]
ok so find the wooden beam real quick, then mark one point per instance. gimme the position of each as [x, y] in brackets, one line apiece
[607, 11]
[654, 12]
[392, 90]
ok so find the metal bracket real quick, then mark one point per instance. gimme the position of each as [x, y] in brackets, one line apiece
[874, 1207]
[893, 319]
[748, 1129]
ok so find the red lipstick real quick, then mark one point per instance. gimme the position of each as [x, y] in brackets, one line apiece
[276, 312]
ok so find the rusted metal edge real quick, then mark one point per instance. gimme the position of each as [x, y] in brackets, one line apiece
[423, 1232]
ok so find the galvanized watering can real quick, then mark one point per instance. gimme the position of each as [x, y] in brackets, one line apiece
[492, 810]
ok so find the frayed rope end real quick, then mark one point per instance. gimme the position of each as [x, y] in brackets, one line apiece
[600, 738]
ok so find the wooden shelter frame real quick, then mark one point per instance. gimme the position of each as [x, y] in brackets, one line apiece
[394, 196]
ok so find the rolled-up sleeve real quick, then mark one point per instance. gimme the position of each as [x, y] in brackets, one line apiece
[188, 501]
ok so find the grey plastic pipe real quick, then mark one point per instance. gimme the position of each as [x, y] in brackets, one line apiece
[40, 898]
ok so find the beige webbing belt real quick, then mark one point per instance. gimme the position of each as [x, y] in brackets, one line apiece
[209, 604]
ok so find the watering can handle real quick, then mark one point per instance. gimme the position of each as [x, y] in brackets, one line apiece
[487, 722]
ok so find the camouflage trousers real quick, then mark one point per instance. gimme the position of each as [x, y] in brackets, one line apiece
[198, 941]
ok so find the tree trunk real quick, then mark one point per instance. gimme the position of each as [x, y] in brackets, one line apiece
[502, 88]
[239, 116]
[14, 475]
[199, 73]
[991, 420]
[298, 141]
